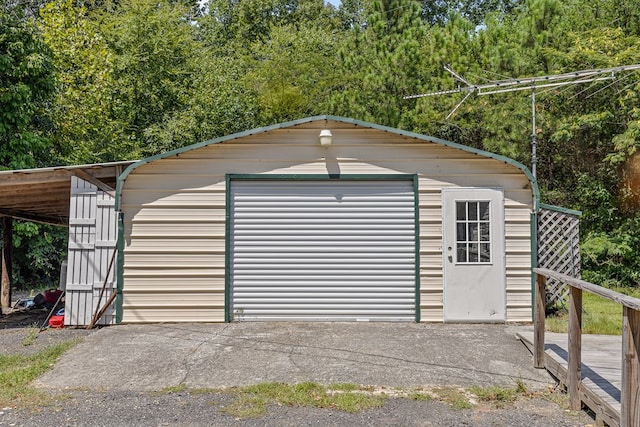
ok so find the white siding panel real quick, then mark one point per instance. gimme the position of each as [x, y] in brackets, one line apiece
[146, 181]
[186, 283]
[171, 260]
[323, 250]
[432, 314]
[518, 245]
[517, 215]
[518, 314]
[519, 298]
[189, 230]
[204, 214]
[188, 298]
[169, 199]
[431, 299]
[174, 313]
[520, 230]
[194, 243]
[519, 260]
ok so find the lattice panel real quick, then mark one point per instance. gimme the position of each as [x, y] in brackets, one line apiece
[558, 250]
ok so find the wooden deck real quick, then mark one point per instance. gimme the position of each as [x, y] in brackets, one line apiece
[601, 370]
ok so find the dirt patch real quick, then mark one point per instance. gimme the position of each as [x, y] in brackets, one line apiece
[26, 318]
[21, 332]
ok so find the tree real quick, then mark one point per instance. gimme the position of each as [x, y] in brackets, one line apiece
[218, 104]
[26, 84]
[152, 43]
[84, 70]
[475, 11]
[292, 75]
[285, 49]
[381, 63]
[39, 250]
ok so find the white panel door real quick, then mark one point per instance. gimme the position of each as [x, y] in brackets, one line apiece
[92, 243]
[340, 250]
[474, 258]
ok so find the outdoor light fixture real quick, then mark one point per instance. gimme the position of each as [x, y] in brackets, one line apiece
[325, 137]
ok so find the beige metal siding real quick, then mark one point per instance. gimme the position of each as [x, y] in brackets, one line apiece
[174, 213]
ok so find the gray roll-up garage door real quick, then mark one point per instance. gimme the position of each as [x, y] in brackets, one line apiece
[340, 250]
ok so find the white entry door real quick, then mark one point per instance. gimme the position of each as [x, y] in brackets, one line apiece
[474, 258]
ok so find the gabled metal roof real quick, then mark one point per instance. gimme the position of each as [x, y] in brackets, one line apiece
[326, 118]
[42, 195]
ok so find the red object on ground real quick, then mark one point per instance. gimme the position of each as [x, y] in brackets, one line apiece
[56, 322]
[51, 296]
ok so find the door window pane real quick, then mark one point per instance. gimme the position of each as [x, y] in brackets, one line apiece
[461, 235]
[461, 252]
[461, 211]
[484, 211]
[485, 252]
[484, 232]
[473, 252]
[473, 232]
[473, 210]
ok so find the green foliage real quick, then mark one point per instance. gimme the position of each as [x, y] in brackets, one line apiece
[38, 252]
[291, 72]
[476, 11]
[599, 315]
[611, 258]
[152, 44]
[26, 84]
[84, 70]
[218, 105]
[381, 63]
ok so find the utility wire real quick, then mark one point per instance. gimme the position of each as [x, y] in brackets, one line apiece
[629, 85]
[606, 87]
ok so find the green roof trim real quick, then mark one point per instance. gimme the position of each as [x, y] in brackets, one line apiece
[560, 209]
[523, 168]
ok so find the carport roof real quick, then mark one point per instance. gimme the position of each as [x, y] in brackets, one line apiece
[42, 195]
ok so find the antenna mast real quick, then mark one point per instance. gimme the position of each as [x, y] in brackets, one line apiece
[528, 83]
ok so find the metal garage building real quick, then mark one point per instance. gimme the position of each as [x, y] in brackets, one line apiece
[373, 223]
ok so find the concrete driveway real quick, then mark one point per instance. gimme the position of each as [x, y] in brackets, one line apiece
[152, 357]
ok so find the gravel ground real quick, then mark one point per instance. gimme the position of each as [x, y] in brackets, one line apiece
[75, 407]
[78, 408]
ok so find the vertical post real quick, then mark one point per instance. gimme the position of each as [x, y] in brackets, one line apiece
[538, 332]
[630, 393]
[534, 134]
[574, 373]
[7, 250]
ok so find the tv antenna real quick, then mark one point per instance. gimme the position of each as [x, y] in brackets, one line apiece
[527, 83]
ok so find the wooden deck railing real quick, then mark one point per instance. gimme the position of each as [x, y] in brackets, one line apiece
[630, 393]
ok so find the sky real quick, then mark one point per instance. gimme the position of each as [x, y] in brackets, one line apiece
[336, 3]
